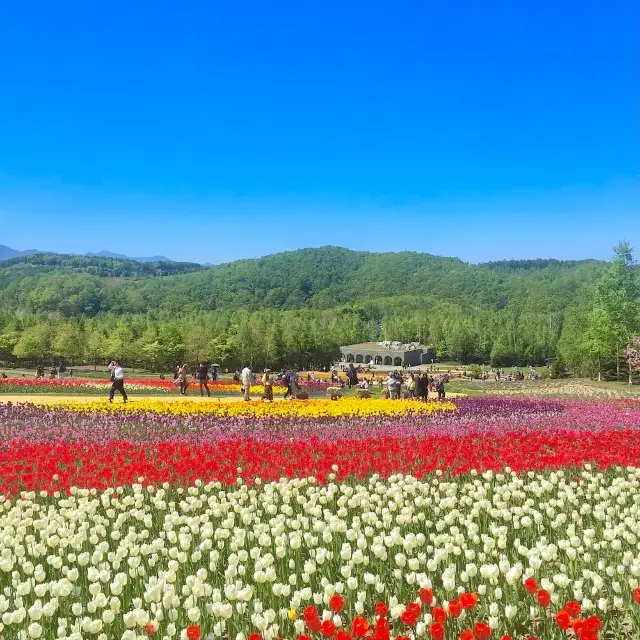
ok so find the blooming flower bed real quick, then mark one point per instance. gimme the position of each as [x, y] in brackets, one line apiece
[137, 385]
[79, 385]
[490, 518]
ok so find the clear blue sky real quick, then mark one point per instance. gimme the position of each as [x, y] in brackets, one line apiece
[211, 131]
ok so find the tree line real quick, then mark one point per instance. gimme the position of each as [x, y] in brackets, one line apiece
[583, 315]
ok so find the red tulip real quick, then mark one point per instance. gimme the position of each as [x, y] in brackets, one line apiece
[439, 614]
[313, 624]
[530, 585]
[426, 596]
[468, 600]
[193, 632]
[544, 598]
[563, 619]
[309, 613]
[336, 603]
[381, 609]
[455, 608]
[409, 619]
[436, 631]
[327, 629]
[359, 627]
[482, 630]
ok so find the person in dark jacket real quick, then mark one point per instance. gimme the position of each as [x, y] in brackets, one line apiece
[353, 376]
[420, 386]
[202, 374]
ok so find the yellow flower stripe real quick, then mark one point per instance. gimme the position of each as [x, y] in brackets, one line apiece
[316, 408]
[256, 389]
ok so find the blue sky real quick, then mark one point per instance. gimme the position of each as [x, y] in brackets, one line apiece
[212, 131]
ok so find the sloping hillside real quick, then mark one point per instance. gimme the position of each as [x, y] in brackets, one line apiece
[319, 278]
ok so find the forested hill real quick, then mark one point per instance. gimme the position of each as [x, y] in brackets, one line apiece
[317, 278]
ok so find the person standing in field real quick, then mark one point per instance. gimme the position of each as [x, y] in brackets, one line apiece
[267, 383]
[440, 388]
[417, 386]
[288, 379]
[413, 386]
[425, 386]
[202, 375]
[352, 374]
[183, 373]
[117, 380]
[391, 386]
[246, 377]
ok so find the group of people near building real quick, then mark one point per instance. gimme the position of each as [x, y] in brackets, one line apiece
[414, 386]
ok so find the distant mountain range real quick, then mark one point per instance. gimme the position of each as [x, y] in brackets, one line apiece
[110, 254]
[7, 252]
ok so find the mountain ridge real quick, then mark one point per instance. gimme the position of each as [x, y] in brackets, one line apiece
[6, 253]
[319, 278]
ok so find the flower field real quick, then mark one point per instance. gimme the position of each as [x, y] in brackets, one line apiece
[136, 385]
[484, 518]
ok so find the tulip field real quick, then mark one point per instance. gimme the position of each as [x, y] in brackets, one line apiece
[477, 518]
[147, 386]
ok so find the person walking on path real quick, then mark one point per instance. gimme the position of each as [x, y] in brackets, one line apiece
[440, 388]
[183, 373]
[246, 377]
[288, 379]
[202, 375]
[117, 381]
[267, 383]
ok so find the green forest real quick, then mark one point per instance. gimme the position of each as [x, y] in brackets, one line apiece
[300, 306]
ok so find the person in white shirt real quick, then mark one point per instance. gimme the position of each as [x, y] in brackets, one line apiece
[117, 381]
[246, 377]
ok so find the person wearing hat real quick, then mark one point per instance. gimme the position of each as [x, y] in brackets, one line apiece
[267, 383]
